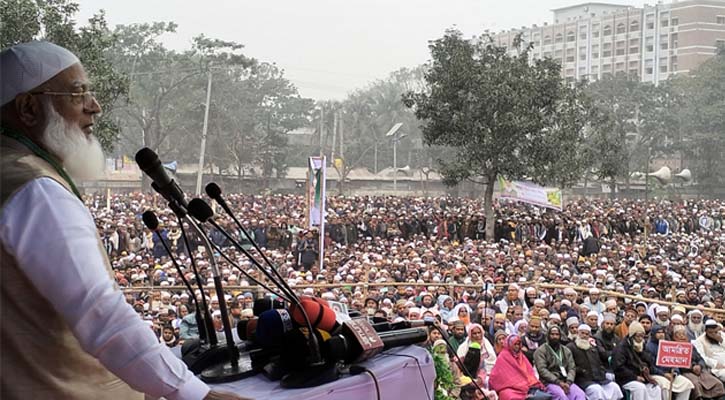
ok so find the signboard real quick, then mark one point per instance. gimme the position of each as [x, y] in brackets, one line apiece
[530, 193]
[674, 354]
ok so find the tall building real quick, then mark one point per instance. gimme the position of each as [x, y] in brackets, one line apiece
[592, 40]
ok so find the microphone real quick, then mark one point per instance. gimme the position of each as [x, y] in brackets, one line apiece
[203, 318]
[150, 164]
[394, 326]
[215, 192]
[200, 210]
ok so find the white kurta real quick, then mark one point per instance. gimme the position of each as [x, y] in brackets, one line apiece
[53, 237]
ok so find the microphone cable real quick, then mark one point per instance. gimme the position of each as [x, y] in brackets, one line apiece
[359, 369]
[459, 361]
[420, 370]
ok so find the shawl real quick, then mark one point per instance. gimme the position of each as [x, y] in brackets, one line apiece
[488, 354]
[513, 371]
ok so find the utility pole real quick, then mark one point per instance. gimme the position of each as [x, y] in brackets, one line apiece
[200, 172]
[334, 137]
[342, 155]
[322, 129]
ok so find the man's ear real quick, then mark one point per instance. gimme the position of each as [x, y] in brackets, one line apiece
[29, 109]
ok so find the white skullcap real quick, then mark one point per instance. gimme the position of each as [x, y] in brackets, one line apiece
[584, 327]
[26, 66]
[676, 317]
[592, 314]
[572, 321]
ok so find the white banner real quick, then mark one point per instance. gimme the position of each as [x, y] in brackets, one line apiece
[531, 193]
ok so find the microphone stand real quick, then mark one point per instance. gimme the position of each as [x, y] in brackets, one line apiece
[231, 370]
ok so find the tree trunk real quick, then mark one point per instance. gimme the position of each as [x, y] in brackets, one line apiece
[488, 208]
[613, 188]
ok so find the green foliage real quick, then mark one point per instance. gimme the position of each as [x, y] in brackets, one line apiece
[53, 20]
[444, 381]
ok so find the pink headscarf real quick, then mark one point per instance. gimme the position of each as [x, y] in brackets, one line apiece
[512, 370]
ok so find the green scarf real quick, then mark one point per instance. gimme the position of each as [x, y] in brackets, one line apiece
[38, 151]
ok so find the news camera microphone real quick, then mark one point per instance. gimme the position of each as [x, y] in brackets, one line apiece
[148, 161]
[359, 341]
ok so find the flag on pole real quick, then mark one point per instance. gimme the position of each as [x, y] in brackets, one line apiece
[316, 177]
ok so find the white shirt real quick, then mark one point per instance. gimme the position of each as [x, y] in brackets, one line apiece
[52, 236]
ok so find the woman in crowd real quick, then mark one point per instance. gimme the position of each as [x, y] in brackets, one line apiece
[513, 377]
[681, 386]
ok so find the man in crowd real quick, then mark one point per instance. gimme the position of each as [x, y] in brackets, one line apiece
[556, 368]
[94, 345]
[711, 347]
[632, 366]
[591, 367]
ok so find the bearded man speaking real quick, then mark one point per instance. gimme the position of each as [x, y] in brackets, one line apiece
[66, 330]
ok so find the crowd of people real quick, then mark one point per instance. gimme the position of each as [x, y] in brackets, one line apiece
[565, 304]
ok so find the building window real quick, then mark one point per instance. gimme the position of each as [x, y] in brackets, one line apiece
[648, 70]
[547, 39]
[607, 50]
[673, 64]
[720, 43]
[558, 38]
[621, 28]
[570, 37]
[663, 68]
[665, 22]
[633, 64]
[634, 26]
[582, 56]
[650, 25]
[619, 66]
[595, 69]
[607, 30]
[634, 50]
[583, 35]
[673, 40]
[607, 68]
[720, 19]
[649, 46]
[675, 21]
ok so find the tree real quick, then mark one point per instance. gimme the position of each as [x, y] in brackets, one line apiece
[254, 108]
[53, 20]
[500, 113]
[635, 119]
[703, 138]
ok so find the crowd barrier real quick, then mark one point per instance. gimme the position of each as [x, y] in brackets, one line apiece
[451, 286]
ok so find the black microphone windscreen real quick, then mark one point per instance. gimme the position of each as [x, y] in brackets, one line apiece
[213, 190]
[150, 220]
[200, 210]
[147, 159]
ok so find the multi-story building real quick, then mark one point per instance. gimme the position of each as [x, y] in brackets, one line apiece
[592, 40]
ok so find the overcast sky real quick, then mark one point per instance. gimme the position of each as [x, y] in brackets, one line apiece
[329, 47]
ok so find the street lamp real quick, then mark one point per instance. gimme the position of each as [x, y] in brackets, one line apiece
[396, 138]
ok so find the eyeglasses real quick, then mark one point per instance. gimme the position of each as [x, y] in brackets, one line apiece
[86, 98]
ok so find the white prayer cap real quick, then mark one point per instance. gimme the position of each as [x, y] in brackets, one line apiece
[592, 314]
[584, 327]
[26, 66]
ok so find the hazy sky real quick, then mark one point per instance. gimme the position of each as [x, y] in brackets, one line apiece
[329, 47]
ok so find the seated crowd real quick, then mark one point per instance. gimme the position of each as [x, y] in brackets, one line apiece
[566, 304]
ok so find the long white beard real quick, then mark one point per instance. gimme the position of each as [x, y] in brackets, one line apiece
[663, 323]
[583, 343]
[697, 328]
[638, 346]
[81, 155]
